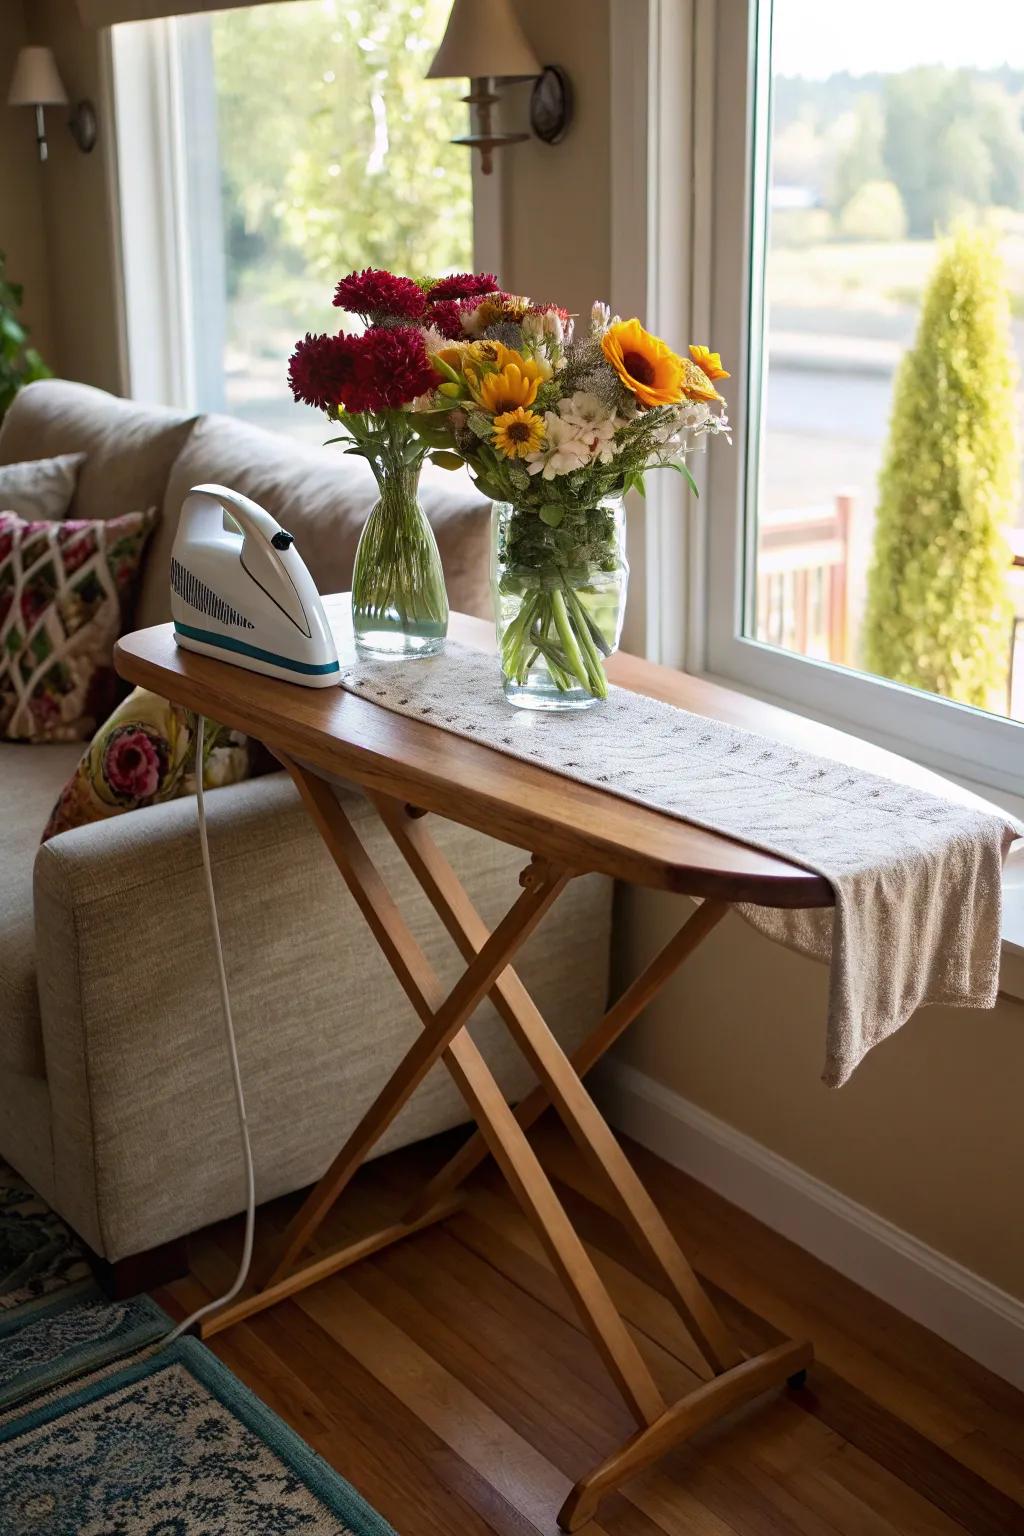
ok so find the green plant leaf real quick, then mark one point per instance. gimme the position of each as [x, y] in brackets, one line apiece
[445, 458]
[691, 482]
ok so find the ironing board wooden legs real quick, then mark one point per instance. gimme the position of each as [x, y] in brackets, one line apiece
[731, 1378]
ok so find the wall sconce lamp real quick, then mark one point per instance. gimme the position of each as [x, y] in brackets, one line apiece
[484, 42]
[37, 83]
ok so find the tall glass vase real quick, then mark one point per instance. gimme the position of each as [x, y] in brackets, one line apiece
[559, 600]
[399, 602]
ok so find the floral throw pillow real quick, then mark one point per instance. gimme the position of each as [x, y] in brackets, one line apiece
[145, 754]
[64, 589]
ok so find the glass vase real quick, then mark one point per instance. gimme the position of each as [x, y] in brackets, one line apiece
[559, 591]
[399, 602]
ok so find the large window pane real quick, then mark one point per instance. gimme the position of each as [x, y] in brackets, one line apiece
[888, 525]
[313, 145]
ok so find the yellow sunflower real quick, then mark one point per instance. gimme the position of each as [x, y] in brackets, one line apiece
[644, 363]
[518, 433]
[696, 384]
[512, 381]
[709, 362]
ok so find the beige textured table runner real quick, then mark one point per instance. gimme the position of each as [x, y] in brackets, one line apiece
[917, 879]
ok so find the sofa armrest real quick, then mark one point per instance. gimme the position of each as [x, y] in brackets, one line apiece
[144, 1128]
[121, 932]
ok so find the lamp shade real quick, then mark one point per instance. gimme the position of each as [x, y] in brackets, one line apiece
[36, 81]
[483, 38]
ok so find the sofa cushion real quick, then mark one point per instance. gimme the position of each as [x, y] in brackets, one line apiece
[31, 777]
[129, 448]
[144, 754]
[323, 497]
[40, 487]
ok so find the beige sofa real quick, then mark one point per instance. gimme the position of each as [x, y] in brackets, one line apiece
[115, 1099]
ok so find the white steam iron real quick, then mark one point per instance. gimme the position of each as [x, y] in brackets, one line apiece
[247, 597]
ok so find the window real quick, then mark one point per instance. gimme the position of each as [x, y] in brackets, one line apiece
[877, 483]
[263, 152]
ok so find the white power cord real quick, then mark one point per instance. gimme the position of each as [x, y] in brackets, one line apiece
[229, 1031]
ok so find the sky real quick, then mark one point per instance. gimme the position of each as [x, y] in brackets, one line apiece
[819, 37]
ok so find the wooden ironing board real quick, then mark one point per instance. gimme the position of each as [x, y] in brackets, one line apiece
[408, 769]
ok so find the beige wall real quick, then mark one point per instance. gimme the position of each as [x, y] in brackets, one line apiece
[77, 207]
[556, 218]
[21, 206]
[55, 219]
[929, 1131]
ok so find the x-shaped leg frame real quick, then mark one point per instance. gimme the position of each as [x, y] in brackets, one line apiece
[501, 1133]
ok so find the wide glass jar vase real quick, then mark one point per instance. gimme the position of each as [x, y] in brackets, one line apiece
[558, 578]
[399, 602]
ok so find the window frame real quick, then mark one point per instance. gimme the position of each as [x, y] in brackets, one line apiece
[728, 258]
[171, 280]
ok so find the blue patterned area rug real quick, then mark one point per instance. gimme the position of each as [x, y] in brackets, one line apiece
[39, 1257]
[103, 1433]
[173, 1445]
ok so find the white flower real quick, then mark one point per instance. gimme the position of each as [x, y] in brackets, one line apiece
[533, 330]
[693, 415]
[564, 449]
[472, 321]
[600, 318]
[433, 339]
[690, 420]
[595, 422]
[554, 330]
[587, 410]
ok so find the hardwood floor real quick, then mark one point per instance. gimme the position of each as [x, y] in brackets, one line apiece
[449, 1380]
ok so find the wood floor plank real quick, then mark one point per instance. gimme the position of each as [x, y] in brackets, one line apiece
[932, 1377]
[411, 1476]
[883, 1435]
[784, 1285]
[525, 1478]
[450, 1380]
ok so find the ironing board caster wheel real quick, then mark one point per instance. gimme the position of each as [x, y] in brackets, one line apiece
[797, 1380]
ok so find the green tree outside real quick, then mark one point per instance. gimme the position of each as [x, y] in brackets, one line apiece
[938, 611]
[334, 147]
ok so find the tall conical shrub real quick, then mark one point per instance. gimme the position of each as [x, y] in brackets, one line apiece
[937, 614]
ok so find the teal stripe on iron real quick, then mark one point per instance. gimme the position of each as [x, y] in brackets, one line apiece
[228, 643]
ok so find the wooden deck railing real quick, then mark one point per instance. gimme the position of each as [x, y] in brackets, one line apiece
[802, 577]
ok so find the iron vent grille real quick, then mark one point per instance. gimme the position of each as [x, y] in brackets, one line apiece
[203, 598]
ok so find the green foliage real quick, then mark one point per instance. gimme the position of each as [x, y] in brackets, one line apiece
[334, 148]
[874, 212]
[19, 363]
[951, 141]
[860, 160]
[937, 614]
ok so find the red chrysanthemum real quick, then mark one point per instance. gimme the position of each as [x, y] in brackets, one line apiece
[392, 368]
[445, 317]
[463, 285]
[322, 369]
[378, 295]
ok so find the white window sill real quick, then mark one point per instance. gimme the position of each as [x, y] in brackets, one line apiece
[1011, 974]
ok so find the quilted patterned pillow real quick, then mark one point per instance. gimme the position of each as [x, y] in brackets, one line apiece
[145, 754]
[64, 589]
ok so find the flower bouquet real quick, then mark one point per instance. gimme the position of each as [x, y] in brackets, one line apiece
[371, 385]
[556, 430]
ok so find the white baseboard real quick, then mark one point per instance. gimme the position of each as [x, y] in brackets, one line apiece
[977, 1317]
